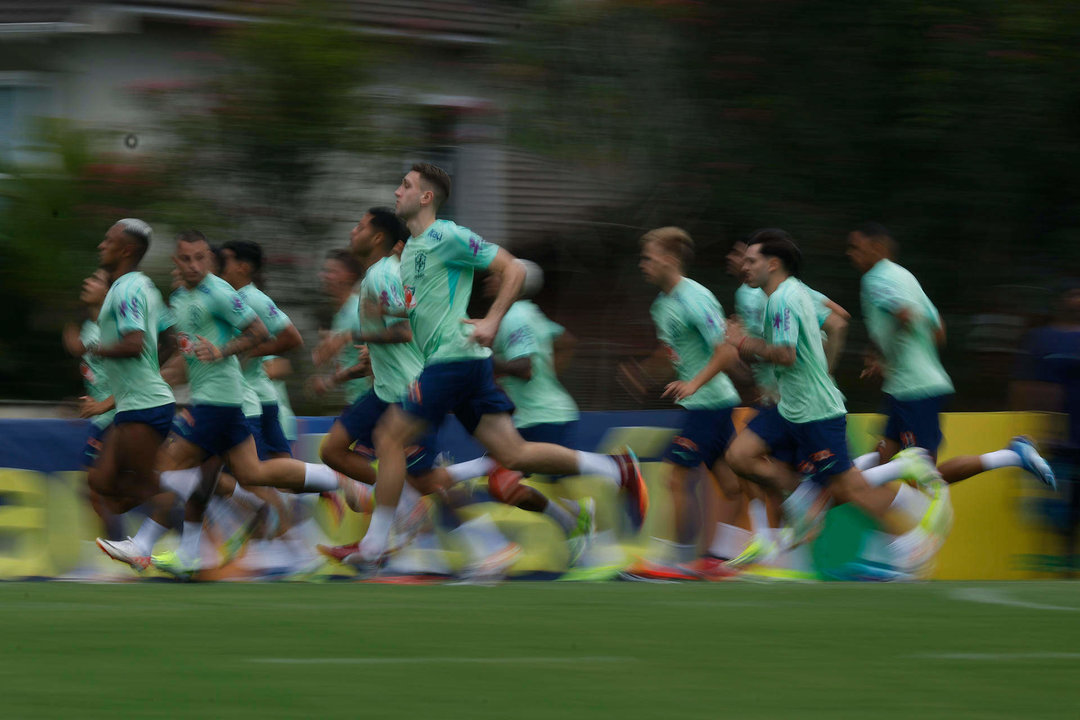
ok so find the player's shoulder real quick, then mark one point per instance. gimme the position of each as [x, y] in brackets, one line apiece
[697, 291]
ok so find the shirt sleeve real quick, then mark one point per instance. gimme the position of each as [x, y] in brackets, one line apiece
[464, 248]
[391, 297]
[275, 319]
[708, 319]
[784, 323]
[131, 310]
[821, 307]
[230, 307]
[520, 341]
[886, 294]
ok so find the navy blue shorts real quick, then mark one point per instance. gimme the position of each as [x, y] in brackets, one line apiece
[466, 388]
[768, 425]
[214, 428]
[564, 434]
[821, 448]
[270, 438]
[704, 438]
[160, 418]
[915, 423]
[95, 440]
[359, 421]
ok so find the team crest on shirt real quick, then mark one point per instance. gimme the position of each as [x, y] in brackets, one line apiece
[420, 264]
[195, 314]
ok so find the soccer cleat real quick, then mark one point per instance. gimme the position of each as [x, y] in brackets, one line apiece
[171, 563]
[334, 506]
[406, 527]
[920, 467]
[338, 553]
[492, 568]
[503, 484]
[359, 497]
[632, 483]
[761, 550]
[581, 537]
[647, 570]
[1032, 461]
[125, 551]
[803, 523]
[938, 519]
[712, 568]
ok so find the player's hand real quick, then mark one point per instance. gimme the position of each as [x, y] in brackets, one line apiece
[89, 407]
[871, 367]
[72, 343]
[484, 331]
[329, 346]
[736, 333]
[679, 390]
[631, 377]
[320, 384]
[206, 351]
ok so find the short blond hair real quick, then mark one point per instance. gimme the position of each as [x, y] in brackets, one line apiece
[673, 241]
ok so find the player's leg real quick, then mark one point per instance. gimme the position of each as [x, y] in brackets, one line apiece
[749, 455]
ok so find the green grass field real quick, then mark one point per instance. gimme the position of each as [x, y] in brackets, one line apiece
[540, 650]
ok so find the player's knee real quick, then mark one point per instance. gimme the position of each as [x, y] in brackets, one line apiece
[738, 460]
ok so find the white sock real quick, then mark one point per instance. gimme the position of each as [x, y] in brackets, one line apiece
[892, 470]
[480, 467]
[759, 516]
[728, 541]
[556, 512]
[595, 464]
[379, 528]
[867, 461]
[247, 498]
[149, 533]
[182, 482]
[1000, 459]
[319, 478]
[911, 502]
[189, 541]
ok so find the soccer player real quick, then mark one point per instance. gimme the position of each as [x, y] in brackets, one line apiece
[98, 405]
[216, 326]
[437, 269]
[524, 361]
[339, 276]
[242, 263]
[691, 328]
[811, 420]
[132, 320]
[907, 330]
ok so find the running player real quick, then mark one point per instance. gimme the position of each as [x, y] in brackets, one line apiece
[811, 419]
[216, 326]
[690, 327]
[339, 348]
[132, 320]
[907, 330]
[524, 361]
[437, 269]
[98, 405]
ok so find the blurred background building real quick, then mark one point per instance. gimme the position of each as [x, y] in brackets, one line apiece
[569, 128]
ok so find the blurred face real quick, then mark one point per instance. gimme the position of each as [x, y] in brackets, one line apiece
[94, 288]
[113, 248]
[735, 259]
[193, 260]
[336, 278]
[655, 264]
[756, 267]
[235, 272]
[363, 239]
[409, 196]
[862, 251]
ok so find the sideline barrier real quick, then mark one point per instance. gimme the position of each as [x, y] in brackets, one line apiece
[45, 518]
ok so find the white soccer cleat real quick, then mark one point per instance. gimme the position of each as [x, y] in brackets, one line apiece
[493, 568]
[125, 551]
